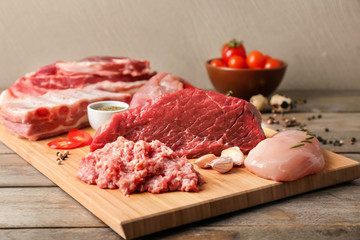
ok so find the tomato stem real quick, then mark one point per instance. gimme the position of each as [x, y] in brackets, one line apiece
[234, 44]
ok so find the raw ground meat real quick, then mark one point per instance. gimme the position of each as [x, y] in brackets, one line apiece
[138, 166]
[192, 122]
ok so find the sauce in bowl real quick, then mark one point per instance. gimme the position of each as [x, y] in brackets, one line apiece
[100, 112]
[110, 108]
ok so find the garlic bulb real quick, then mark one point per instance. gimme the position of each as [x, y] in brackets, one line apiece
[222, 164]
[235, 154]
[280, 103]
[204, 161]
[260, 102]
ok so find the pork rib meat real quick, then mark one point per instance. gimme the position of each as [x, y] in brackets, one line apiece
[53, 113]
[54, 99]
[65, 75]
[192, 122]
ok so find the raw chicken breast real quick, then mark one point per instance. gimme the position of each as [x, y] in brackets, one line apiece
[275, 159]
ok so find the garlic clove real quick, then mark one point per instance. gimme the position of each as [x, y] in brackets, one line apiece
[222, 164]
[260, 102]
[236, 154]
[204, 161]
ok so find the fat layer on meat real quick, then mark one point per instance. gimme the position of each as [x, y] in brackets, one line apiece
[53, 113]
[54, 99]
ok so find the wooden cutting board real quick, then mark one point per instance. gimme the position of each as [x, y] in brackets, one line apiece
[144, 213]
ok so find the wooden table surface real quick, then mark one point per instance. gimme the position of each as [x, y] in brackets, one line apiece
[32, 207]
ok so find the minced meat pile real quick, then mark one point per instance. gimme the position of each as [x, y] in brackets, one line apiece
[138, 166]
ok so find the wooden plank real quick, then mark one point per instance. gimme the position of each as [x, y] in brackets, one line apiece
[59, 234]
[340, 127]
[325, 100]
[291, 215]
[5, 149]
[276, 231]
[36, 207]
[355, 157]
[14, 171]
[333, 214]
[271, 231]
[133, 216]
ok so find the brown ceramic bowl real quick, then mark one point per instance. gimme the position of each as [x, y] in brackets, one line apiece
[244, 83]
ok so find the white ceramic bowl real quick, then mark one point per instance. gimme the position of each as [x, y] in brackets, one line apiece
[98, 117]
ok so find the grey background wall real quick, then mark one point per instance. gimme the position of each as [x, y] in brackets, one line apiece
[320, 39]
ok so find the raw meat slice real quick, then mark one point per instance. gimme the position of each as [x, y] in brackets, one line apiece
[65, 75]
[140, 166]
[157, 85]
[280, 157]
[53, 113]
[53, 99]
[36, 109]
[192, 122]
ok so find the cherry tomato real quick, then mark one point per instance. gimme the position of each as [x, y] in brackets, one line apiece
[217, 63]
[272, 63]
[81, 136]
[233, 48]
[266, 57]
[255, 59]
[237, 62]
[64, 144]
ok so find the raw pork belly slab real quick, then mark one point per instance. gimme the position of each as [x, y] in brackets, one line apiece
[54, 99]
[192, 122]
[138, 166]
[54, 113]
[65, 75]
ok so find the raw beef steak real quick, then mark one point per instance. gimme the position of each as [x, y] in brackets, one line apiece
[138, 166]
[192, 122]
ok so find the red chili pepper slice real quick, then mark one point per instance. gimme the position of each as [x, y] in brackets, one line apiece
[64, 144]
[77, 138]
[81, 136]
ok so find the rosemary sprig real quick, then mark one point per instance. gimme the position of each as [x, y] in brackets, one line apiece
[299, 145]
[229, 93]
[310, 134]
[306, 140]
